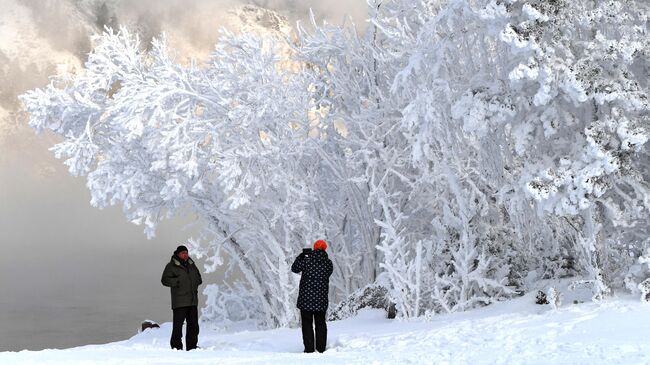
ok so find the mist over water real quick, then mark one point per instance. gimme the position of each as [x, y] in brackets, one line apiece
[71, 274]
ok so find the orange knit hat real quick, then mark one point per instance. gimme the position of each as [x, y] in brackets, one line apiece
[320, 245]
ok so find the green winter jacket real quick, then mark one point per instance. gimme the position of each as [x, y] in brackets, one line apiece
[183, 281]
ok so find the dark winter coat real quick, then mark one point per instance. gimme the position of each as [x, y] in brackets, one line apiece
[316, 269]
[184, 280]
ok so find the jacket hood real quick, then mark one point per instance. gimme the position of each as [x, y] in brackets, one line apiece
[319, 253]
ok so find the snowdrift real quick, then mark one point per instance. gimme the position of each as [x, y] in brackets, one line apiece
[615, 331]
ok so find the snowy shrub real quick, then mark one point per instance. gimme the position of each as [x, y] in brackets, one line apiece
[372, 296]
[644, 287]
[554, 298]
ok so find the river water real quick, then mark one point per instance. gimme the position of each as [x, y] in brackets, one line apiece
[71, 274]
[105, 300]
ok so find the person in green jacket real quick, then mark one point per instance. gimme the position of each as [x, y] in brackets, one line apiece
[183, 278]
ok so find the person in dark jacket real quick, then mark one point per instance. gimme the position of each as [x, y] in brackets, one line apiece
[183, 278]
[316, 269]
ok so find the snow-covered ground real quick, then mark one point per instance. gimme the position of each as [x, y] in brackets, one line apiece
[616, 331]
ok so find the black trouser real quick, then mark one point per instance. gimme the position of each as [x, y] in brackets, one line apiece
[191, 315]
[307, 319]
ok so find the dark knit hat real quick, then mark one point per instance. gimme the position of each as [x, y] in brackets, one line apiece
[180, 249]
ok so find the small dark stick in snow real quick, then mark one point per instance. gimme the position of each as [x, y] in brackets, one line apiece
[540, 298]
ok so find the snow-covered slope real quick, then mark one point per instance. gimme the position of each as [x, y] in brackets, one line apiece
[516, 332]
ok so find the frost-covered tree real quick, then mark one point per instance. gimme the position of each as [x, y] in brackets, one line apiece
[228, 142]
[159, 137]
[461, 114]
[579, 86]
[451, 153]
[357, 78]
[238, 142]
[549, 102]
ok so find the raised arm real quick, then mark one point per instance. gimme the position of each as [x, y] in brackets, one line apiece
[298, 265]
